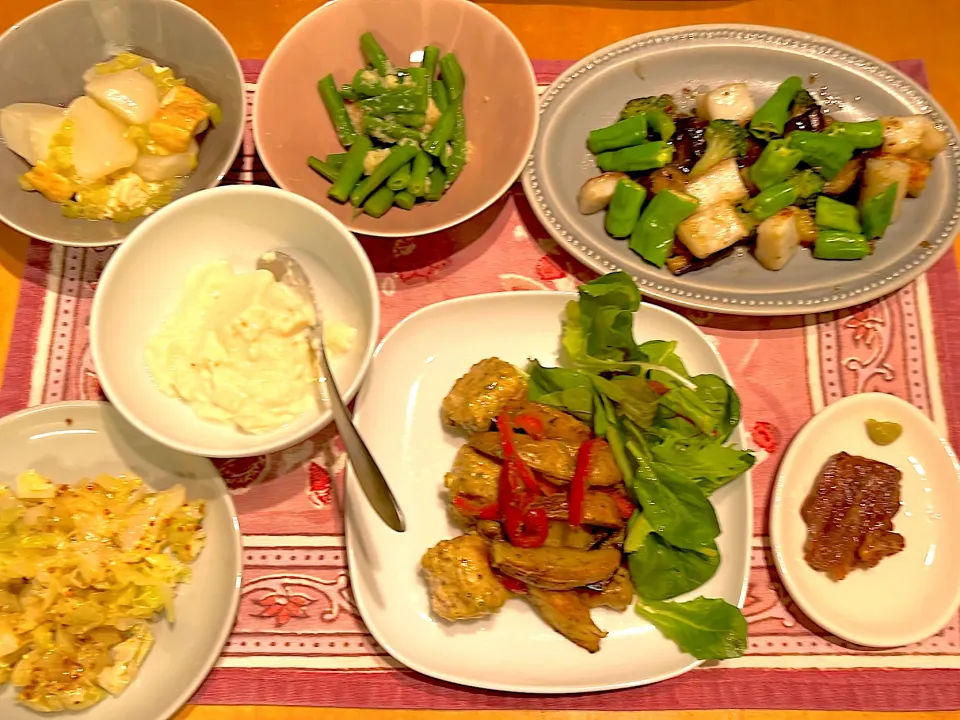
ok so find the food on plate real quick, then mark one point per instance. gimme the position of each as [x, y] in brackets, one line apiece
[849, 515]
[587, 486]
[117, 152]
[84, 570]
[685, 186]
[882, 432]
[237, 348]
[403, 129]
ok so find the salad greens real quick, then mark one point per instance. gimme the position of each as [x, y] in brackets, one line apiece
[668, 432]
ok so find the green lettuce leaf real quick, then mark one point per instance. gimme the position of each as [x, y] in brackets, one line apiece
[707, 628]
[677, 509]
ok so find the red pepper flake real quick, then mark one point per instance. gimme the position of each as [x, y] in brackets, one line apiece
[578, 485]
[531, 425]
[488, 511]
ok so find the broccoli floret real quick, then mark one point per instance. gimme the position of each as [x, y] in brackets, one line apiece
[725, 139]
[644, 104]
[802, 102]
[808, 184]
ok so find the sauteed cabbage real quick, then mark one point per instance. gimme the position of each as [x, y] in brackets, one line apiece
[83, 570]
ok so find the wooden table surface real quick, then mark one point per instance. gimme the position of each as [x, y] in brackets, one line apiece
[569, 29]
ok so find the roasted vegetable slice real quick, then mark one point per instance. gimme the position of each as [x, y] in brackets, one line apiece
[569, 614]
[555, 568]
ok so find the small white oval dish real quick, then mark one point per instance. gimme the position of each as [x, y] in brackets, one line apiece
[909, 596]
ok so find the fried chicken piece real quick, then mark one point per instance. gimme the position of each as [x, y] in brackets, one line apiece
[476, 399]
[462, 585]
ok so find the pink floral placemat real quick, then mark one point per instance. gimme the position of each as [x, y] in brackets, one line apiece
[298, 638]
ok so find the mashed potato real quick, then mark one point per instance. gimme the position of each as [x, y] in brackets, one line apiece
[237, 349]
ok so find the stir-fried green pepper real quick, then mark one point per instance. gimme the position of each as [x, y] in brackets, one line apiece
[769, 120]
[775, 163]
[404, 200]
[379, 202]
[862, 135]
[771, 201]
[652, 238]
[398, 157]
[625, 133]
[827, 153]
[835, 215]
[332, 101]
[322, 168]
[840, 245]
[877, 212]
[352, 169]
[660, 123]
[648, 156]
[624, 209]
[374, 54]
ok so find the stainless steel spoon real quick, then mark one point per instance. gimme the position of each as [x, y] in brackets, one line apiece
[288, 271]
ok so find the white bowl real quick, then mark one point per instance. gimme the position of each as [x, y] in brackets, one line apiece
[145, 280]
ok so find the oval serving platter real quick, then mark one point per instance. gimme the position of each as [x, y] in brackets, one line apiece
[851, 85]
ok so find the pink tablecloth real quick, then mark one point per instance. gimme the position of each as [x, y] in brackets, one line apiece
[298, 639]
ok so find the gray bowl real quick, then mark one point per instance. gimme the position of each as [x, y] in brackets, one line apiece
[43, 58]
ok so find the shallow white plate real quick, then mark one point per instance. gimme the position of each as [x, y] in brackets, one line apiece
[908, 596]
[399, 417]
[73, 440]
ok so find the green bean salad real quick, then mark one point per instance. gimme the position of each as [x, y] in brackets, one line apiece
[403, 131]
[776, 178]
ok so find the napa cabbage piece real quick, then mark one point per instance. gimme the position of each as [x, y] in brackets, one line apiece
[84, 569]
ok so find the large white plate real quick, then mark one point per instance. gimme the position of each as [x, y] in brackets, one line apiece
[399, 416]
[73, 440]
[908, 596]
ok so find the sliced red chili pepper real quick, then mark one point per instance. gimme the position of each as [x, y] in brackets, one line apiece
[530, 424]
[527, 528]
[488, 511]
[578, 485]
[658, 387]
[505, 430]
[511, 584]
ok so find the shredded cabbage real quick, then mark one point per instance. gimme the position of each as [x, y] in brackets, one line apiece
[83, 570]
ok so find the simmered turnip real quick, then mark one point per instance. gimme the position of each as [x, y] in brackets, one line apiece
[157, 168]
[881, 172]
[712, 229]
[28, 129]
[129, 94]
[99, 145]
[777, 239]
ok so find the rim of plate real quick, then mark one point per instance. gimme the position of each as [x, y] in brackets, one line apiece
[100, 407]
[667, 288]
[351, 518]
[527, 68]
[777, 516]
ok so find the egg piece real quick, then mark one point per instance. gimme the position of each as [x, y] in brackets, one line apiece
[28, 129]
[157, 168]
[128, 94]
[99, 145]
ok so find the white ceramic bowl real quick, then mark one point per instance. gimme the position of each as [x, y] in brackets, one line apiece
[145, 280]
